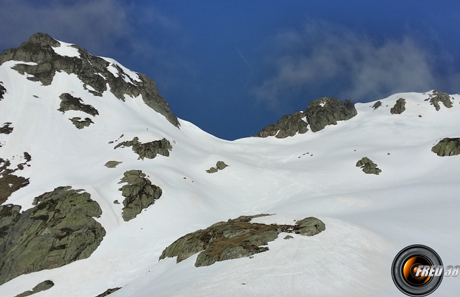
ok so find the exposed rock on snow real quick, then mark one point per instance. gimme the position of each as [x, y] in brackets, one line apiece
[69, 102]
[399, 107]
[6, 129]
[10, 183]
[447, 147]
[288, 125]
[80, 124]
[139, 193]
[2, 90]
[235, 239]
[112, 164]
[220, 165]
[147, 150]
[368, 166]
[437, 97]
[93, 71]
[60, 229]
[377, 105]
[327, 111]
[108, 292]
[43, 286]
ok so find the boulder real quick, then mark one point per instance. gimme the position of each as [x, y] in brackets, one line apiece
[234, 239]
[112, 164]
[6, 129]
[220, 165]
[368, 166]
[58, 230]
[80, 124]
[327, 111]
[399, 107]
[147, 150]
[447, 147]
[377, 105]
[43, 286]
[139, 193]
[93, 72]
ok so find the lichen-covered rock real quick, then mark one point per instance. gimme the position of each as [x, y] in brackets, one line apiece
[437, 97]
[112, 164]
[2, 90]
[108, 292]
[139, 193]
[91, 70]
[220, 165]
[147, 150]
[9, 182]
[80, 124]
[327, 111]
[6, 129]
[235, 239]
[43, 286]
[60, 229]
[399, 107]
[69, 102]
[368, 166]
[377, 105]
[288, 125]
[447, 147]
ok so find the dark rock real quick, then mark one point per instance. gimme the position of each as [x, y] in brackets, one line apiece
[234, 239]
[447, 147]
[139, 193]
[211, 170]
[368, 166]
[91, 70]
[2, 90]
[288, 125]
[112, 164]
[220, 165]
[69, 102]
[6, 129]
[108, 292]
[327, 111]
[288, 237]
[399, 107]
[377, 105]
[147, 150]
[60, 229]
[43, 286]
[80, 124]
[10, 183]
[437, 97]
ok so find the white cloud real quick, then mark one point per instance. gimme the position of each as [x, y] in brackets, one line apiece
[322, 54]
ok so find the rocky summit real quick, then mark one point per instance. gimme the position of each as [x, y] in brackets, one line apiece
[99, 180]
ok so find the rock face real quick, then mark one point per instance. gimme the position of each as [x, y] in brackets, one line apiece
[139, 193]
[94, 72]
[43, 286]
[327, 111]
[447, 147]
[147, 150]
[69, 102]
[288, 125]
[2, 90]
[60, 229]
[319, 114]
[399, 107]
[235, 239]
[437, 97]
[9, 182]
[368, 166]
[220, 165]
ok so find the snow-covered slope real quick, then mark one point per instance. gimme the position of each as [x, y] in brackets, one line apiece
[368, 218]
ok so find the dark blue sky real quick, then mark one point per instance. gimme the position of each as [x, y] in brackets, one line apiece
[233, 67]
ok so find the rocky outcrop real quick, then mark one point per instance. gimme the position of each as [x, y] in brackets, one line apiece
[80, 124]
[319, 114]
[60, 229]
[399, 107]
[368, 166]
[235, 239]
[108, 292]
[447, 147]
[147, 150]
[69, 102]
[139, 193]
[9, 182]
[112, 164]
[91, 70]
[2, 90]
[377, 105]
[288, 125]
[43, 286]
[220, 165]
[327, 111]
[437, 97]
[6, 129]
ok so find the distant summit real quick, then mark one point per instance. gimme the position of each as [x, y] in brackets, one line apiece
[43, 56]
